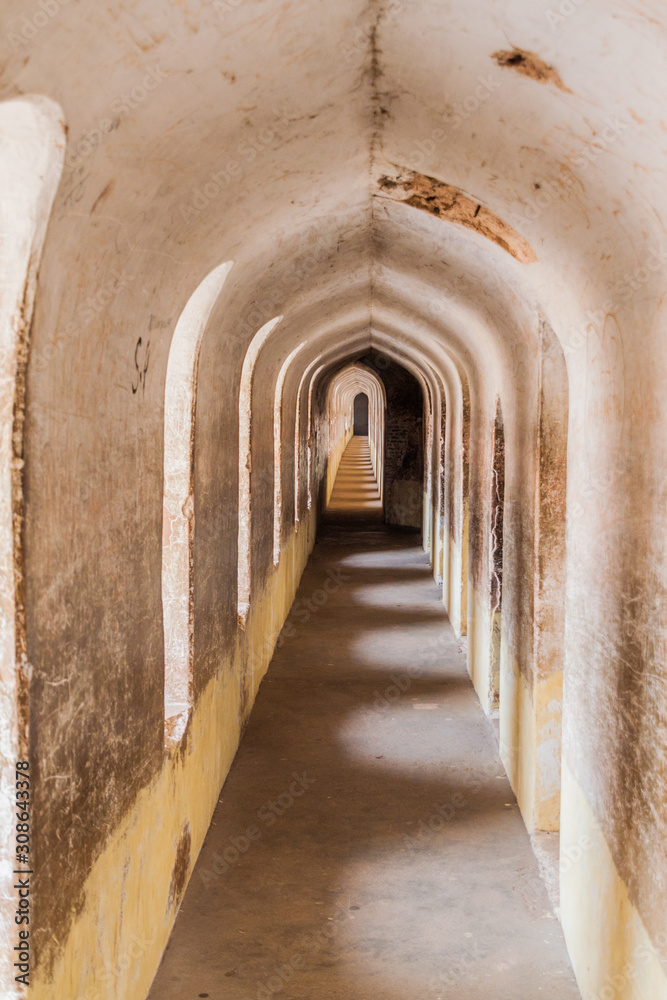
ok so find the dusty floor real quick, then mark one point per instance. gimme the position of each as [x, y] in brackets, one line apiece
[367, 845]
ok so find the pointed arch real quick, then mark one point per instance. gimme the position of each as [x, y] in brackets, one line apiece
[245, 465]
[180, 397]
[32, 146]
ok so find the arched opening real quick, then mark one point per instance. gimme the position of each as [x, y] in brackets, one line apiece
[301, 466]
[355, 463]
[309, 439]
[32, 145]
[442, 491]
[414, 251]
[245, 468]
[361, 414]
[180, 400]
[277, 452]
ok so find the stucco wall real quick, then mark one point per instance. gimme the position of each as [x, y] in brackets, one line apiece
[311, 145]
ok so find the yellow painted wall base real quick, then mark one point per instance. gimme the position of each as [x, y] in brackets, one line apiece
[429, 535]
[268, 612]
[530, 743]
[455, 578]
[611, 952]
[438, 563]
[479, 648]
[335, 455]
[452, 593]
[447, 556]
[116, 943]
[465, 564]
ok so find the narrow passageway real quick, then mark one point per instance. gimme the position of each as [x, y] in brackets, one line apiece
[366, 845]
[333, 401]
[355, 493]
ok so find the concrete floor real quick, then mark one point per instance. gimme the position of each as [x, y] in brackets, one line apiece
[367, 845]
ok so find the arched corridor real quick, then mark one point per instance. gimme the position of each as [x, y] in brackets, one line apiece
[333, 443]
[367, 842]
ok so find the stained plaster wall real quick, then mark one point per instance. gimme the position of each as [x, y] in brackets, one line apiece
[570, 160]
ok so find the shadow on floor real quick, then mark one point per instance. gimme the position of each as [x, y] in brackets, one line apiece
[367, 845]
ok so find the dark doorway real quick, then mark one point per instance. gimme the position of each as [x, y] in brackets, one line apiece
[403, 487]
[361, 414]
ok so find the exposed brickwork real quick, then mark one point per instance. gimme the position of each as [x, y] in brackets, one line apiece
[404, 442]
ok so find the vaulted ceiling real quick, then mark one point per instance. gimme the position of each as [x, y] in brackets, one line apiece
[423, 169]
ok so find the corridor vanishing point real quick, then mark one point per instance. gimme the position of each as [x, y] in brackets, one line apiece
[333, 500]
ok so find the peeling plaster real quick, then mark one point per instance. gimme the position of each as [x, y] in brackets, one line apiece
[529, 64]
[347, 267]
[451, 205]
